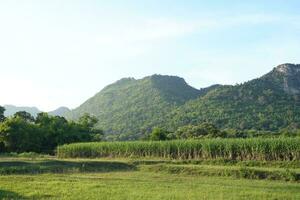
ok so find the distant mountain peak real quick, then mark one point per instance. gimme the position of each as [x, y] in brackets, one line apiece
[288, 69]
[166, 79]
[288, 77]
[61, 111]
[11, 110]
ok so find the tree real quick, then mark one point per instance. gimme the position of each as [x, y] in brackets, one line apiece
[24, 115]
[2, 117]
[21, 133]
[42, 118]
[199, 131]
[88, 121]
[158, 134]
[18, 135]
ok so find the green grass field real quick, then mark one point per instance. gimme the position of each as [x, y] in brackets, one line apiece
[141, 185]
[51, 178]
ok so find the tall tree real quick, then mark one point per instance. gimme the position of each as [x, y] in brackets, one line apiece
[158, 134]
[2, 117]
[24, 115]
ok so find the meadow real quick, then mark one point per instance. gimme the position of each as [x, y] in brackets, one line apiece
[184, 169]
[52, 178]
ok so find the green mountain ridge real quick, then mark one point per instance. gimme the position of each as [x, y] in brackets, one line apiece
[132, 108]
[271, 102]
[59, 111]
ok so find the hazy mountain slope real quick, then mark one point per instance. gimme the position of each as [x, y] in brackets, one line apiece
[11, 110]
[270, 103]
[61, 111]
[132, 107]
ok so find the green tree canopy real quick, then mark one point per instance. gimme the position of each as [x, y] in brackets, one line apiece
[23, 133]
[2, 117]
[158, 134]
[198, 131]
[24, 115]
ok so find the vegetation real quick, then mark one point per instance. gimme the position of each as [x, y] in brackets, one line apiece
[52, 178]
[247, 131]
[2, 114]
[141, 185]
[10, 110]
[129, 109]
[39, 166]
[287, 171]
[24, 133]
[234, 149]
[230, 171]
[158, 134]
[261, 104]
[204, 130]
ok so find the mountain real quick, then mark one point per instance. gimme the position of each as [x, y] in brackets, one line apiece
[11, 110]
[270, 102]
[287, 76]
[132, 107]
[204, 91]
[61, 111]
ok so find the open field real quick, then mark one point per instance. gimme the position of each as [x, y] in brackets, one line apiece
[141, 185]
[191, 169]
[52, 178]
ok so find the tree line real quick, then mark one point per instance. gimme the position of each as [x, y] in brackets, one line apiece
[42, 134]
[24, 133]
[209, 130]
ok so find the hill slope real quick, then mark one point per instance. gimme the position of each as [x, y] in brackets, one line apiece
[132, 107]
[61, 111]
[11, 110]
[271, 102]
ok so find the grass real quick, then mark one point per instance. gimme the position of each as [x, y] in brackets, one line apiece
[262, 149]
[229, 171]
[276, 170]
[51, 178]
[141, 185]
[61, 166]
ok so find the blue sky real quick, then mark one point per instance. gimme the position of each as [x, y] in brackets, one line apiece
[61, 52]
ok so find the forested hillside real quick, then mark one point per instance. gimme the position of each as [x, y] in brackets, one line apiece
[267, 103]
[132, 108]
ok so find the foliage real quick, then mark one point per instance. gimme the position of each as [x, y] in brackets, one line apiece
[24, 115]
[236, 172]
[10, 110]
[260, 104]
[24, 133]
[18, 166]
[158, 134]
[233, 149]
[204, 130]
[2, 113]
[129, 109]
